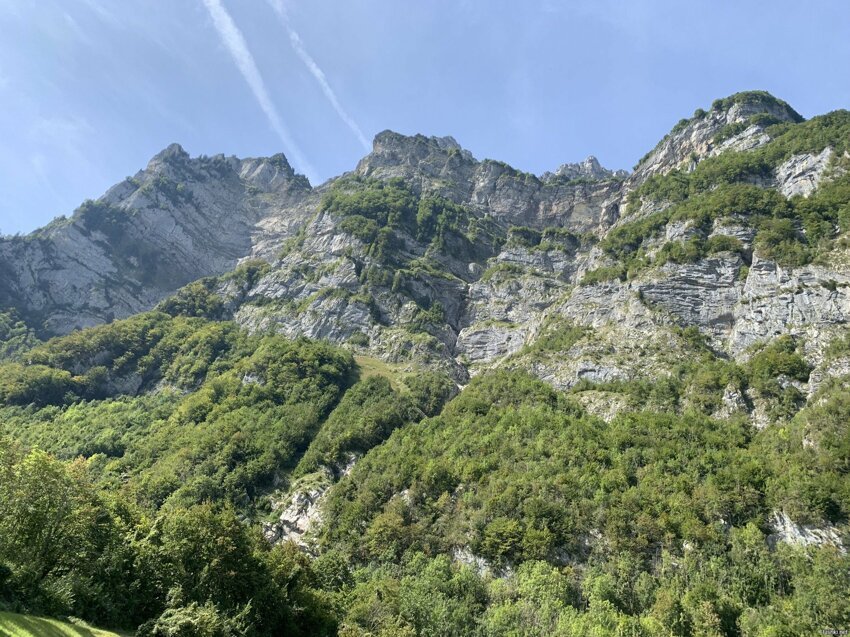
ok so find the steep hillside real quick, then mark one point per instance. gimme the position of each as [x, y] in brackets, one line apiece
[175, 221]
[426, 255]
[440, 396]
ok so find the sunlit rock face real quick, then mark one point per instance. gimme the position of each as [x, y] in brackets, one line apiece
[514, 261]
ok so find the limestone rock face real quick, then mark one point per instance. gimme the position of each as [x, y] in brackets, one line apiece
[299, 512]
[801, 174]
[696, 138]
[704, 293]
[581, 197]
[300, 515]
[183, 218]
[590, 168]
[777, 301]
[177, 220]
[485, 294]
[789, 532]
[520, 275]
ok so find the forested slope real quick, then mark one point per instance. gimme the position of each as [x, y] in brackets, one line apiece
[440, 396]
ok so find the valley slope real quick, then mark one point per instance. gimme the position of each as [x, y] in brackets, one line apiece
[439, 395]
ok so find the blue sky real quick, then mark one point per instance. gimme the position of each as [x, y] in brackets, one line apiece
[91, 89]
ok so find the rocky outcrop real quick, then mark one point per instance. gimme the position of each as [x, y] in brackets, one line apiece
[513, 263]
[699, 137]
[704, 293]
[789, 532]
[808, 301]
[299, 512]
[176, 221]
[464, 555]
[801, 174]
[438, 165]
[181, 218]
[589, 169]
[829, 369]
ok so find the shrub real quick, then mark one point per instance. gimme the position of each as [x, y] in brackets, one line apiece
[557, 336]
[688, 251]
[36, 384]
[779, 240]
[724, 243]
[359, 226]
[523, 236]
[603, 274]
[195, 299]
[430, 391]
[769, 370]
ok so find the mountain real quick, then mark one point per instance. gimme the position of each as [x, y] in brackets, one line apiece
[477, 400]
[423, 253]
[177, 220]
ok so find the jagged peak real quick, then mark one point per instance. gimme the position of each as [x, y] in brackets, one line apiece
[752, 102]
[272, 173]
[267, 173]
[280, 159]
[590, 168]
[737, 108]
[693, 138]
[394, 154]
[172, 151]
[389, 140]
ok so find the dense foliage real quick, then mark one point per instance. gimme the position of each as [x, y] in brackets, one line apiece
[15, 336]
[141, 461]
[166, 435]
[791, 232]
[378, 213]
[659, 518]
[68, 548]
[147, 452]
[729, 187]
[229, 413]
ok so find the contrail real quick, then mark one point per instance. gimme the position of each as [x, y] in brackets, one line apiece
[317, 72]
[233, 39]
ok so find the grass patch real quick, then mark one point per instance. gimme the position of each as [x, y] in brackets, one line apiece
[375, 367]
[15, 625]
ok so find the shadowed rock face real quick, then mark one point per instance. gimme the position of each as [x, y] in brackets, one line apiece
[581, 197]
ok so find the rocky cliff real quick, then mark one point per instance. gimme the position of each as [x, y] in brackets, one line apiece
[425, 255]
[177, 220]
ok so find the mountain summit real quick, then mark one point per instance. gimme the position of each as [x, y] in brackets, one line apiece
[440, 395]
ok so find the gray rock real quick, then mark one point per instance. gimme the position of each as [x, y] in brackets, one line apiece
[484, 568]
[704, 293]
[776, 301]
[178, 220]
[301, 509]
[801, 174]
[590, 168]
[463, 307]
[789, 532]
[694, 141]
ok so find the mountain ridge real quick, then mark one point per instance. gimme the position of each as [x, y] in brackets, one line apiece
[473, 253]
[437, 395]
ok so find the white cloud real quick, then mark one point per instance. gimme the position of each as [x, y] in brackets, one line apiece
[233, 39]
[317, 73]
[66, 128]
